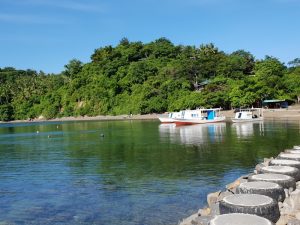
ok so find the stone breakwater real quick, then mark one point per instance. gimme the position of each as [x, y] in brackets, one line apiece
[269, 195]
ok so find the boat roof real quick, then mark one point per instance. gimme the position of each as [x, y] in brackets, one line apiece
[211, 109]
[203, 109]
[248, 109]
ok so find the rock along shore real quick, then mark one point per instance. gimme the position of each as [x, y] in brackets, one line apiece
[285, 207]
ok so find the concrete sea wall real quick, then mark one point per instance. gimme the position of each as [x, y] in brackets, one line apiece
[271, 193]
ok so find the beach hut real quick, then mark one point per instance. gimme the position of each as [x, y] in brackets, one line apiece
[275, 104]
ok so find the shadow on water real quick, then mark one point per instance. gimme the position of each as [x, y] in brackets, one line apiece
[125, 172]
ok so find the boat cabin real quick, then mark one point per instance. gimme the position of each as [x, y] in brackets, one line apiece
[174, 115]
[204, 114]
[248, 114]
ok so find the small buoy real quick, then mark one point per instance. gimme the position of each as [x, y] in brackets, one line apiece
[37, 132]
[57, 126]
[101, 135]
[49, 136]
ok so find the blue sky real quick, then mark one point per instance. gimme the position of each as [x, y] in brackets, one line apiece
[46, 34]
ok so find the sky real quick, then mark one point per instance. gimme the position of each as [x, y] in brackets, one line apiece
[44, 35]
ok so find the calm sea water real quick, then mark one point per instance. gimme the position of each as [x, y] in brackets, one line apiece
[125, 172]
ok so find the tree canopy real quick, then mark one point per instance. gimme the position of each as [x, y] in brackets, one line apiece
[138, 78]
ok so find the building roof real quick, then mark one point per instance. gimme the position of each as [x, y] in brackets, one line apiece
[205, 82]
[273, 100]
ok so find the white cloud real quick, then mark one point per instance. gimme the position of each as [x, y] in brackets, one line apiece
[199, 2]
[287, 1]
[28, 19]
[79, 5]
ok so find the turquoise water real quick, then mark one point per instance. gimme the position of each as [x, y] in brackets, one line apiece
[125, 172]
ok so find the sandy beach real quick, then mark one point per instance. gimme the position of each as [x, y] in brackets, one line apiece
[292, 113]
[90, 118]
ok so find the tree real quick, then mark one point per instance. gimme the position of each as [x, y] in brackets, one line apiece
[124, 41]
[292, 83]
[162, 48]
[134, 77]
[295, 62]
[236, 65]
[269, 73]
[6, 112]
[73, 68]
[247, 61]
[208, 57]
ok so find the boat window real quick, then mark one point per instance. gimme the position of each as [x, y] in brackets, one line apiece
[240, 115]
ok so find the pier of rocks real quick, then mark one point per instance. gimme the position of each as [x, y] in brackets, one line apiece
[268, 196]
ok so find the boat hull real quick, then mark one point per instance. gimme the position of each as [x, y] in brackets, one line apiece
[198, 121]
[166, 120]
[247, 120]
[169, 118]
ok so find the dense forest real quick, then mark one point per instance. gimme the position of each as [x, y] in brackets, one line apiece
[138, 78]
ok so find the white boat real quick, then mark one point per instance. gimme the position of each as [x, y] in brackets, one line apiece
[199, 116]
[169, 117]
[248, 115]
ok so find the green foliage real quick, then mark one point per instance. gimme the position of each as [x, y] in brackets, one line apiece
[291, 83]
[295, 62]
[6, 112]
[269, 73]
[247, 61]
[73, 68]
[50, 111]
[137, 78]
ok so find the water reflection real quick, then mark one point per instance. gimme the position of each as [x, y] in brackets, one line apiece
[140, 172]
[195, 134]
[247, 129]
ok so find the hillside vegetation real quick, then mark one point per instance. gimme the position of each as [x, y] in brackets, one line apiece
[139, 78]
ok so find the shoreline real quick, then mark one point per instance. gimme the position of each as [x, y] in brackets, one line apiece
[88, 118]
[268, 114]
